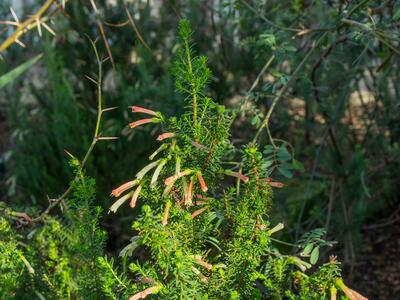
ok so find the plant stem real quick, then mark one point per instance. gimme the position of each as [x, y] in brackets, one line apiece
[194, 92]
[95, 139]
[25, 26]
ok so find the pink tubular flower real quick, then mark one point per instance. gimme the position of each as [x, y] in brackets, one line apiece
[138, 109]
[197, 212]
[273, 183]
[277, 184]
[145, 293]
[242, 177]
[165, 136]
[202, 263]
[172, 178]
[166, 212]
[141, 122]
[135, 196]
[188, 196]
[351, 294]
[203, 185]
[119, 190]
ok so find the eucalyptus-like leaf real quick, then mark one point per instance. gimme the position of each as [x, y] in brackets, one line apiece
[314, 256]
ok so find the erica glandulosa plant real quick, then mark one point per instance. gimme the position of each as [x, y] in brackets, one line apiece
[204, 222]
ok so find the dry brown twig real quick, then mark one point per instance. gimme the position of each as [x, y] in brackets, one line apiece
[103, 33]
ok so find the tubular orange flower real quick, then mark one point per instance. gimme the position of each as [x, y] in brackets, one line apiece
[126, 186]
[277, 184]
[135, 196]
[273, 183]
[203, 185]
[178, 175]
[166, 212]
[202, 263]
[138, 109]
[242, 177]
[197, 212]
[351, 294]
[188, 196]
[141, 122]
[143, 294]
[165, 136]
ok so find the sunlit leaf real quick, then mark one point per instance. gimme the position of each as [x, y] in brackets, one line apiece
[314, 256]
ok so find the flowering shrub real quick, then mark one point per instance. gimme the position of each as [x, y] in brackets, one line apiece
[204, 227]
[204, 220]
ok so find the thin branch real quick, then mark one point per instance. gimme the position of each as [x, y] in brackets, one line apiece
[103, 34]
[25, 26]
[96, 137]
[255, 11]
[330, 205]
[263, 70]
[338, 40]
[137, 32]
[282, 92]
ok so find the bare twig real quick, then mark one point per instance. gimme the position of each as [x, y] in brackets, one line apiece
[282, 92]
[325, 54]
[26, 26]
[103, 34]
[96, 138]
[137, 32]
[263, 70]
[330, 205]
[256, 12]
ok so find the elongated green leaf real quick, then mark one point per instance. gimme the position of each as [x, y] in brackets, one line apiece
[283, 153]
[13, 74]
[307, 249]
[285, 172]
[269, 149]
[268, 163]
[314, 256]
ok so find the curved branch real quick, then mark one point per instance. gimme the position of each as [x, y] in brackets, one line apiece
[96, 138]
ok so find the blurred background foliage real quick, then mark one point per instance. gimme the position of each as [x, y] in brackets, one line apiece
[337, 127]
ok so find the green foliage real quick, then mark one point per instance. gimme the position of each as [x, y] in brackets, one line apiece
[61, 259]
[12, 266]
